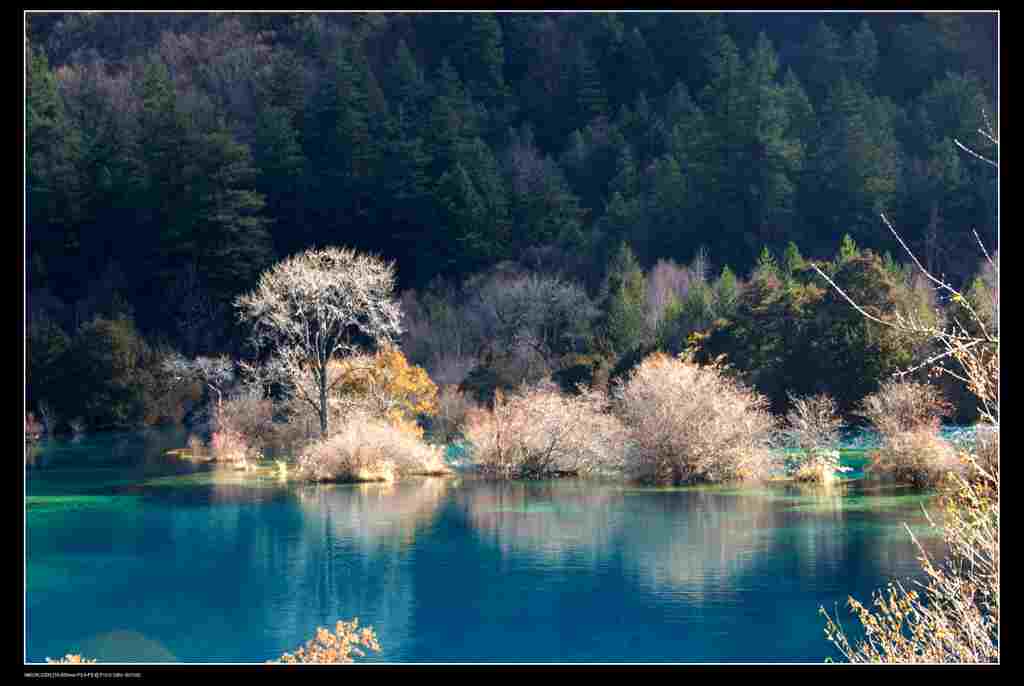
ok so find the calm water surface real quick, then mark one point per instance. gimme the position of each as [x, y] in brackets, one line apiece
[135, 556]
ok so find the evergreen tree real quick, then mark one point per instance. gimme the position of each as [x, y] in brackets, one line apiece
[863, 54]
[822, 60]
[232, 243]
[278, 155]
[855, 168]
[483, 60]
[792, 260]
[591, 99]
[624, 326]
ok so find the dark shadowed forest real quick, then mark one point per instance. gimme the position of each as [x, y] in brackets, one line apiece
[562, 194]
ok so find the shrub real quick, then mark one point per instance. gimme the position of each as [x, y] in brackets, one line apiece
[367, 448]
[812, 425]
[104, 365]
[907, 415]
[49, 417]
[453, 407]
[919, 457]
[328, 647]
[70, 659]
[986, 449]
[230, 446]
[901, 406]
[693, 423]
[33, 428]
[249, 416]
[955, 615]
[539, 432]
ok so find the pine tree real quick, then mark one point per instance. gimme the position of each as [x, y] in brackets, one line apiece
[278, 156]
[406, 85]
[466, 245]
[625, 325]
[854, 170]
[484, 59]
[591, 99]
[822, 58]
[847, 250]
[863, 54]
[168, 153]
[232, 243]
[54, 150]
[792, 260]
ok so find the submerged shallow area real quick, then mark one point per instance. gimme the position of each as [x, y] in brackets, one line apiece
[134, 555]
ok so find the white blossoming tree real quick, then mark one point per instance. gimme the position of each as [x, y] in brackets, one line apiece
[317, 306]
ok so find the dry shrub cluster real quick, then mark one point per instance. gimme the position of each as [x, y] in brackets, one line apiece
[540, 432]
[339, 646]
[907, 415]
[231, 446]
[250, 415]
[453, 409]
[920, 457]
[901, 406]
[812, 425]
[954, 615]
[691, 423]
[70, 659]
[986, 449]
[368, 448]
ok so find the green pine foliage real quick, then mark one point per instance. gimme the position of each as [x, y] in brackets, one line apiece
[453, 143]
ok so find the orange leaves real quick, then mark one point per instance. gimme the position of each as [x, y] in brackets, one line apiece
[70, 659]
[398, 390]
[332, 648]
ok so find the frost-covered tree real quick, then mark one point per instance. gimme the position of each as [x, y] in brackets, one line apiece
[318, 306]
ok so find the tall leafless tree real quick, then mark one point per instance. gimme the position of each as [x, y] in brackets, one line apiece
[320, 305]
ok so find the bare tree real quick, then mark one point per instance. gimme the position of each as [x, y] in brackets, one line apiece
[320, 305]
[666, 282]
[214, 372]
[546, 315]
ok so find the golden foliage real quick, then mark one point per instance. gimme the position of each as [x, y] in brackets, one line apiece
[387, 382]
[339, 646]
[70, 659]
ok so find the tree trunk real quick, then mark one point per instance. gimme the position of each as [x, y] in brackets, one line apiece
[323, 403]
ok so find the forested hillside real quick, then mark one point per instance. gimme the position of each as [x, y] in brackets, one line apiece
[172, 158]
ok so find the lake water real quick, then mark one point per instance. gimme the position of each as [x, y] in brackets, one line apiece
[136, 556]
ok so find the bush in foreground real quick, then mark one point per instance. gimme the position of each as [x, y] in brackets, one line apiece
[340, 646]
[70, 659]
[368, 448]
[691, 423]
[540, 432]
[954, 617]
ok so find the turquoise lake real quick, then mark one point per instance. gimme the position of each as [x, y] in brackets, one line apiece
[134, 555]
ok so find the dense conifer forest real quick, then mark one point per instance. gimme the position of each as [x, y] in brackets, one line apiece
[561, 193]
